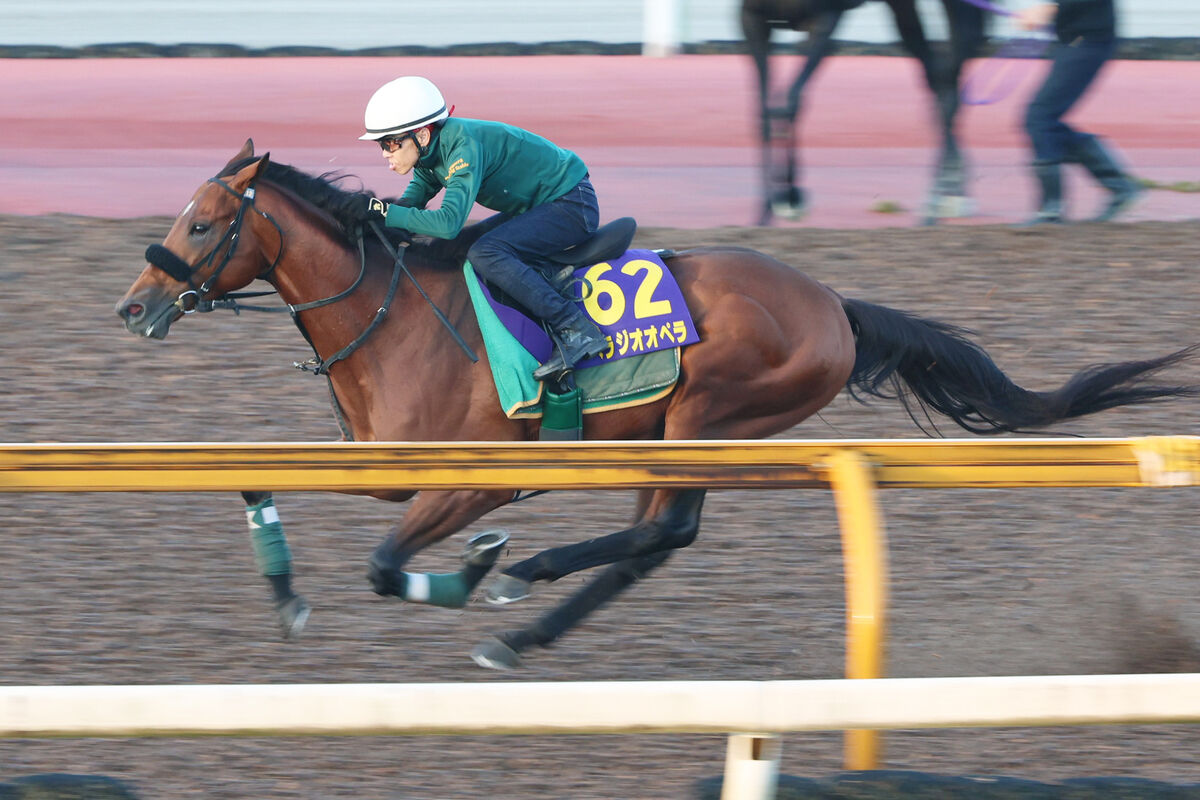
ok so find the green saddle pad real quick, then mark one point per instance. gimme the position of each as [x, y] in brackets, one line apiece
[617, 384]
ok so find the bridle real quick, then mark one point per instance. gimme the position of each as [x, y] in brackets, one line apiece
[193, 299]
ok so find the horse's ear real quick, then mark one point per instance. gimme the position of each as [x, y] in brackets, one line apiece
[247, 174]
[247, 151]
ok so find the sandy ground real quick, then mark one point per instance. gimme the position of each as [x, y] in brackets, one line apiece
[150, 588]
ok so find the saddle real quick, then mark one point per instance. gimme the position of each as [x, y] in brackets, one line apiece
[608, 242]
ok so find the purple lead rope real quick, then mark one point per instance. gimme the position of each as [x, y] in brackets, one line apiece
[992, 7]
[1023, 48]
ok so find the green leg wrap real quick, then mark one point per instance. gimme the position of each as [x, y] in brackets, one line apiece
[453, 589]
[271, 551]
[446, 589]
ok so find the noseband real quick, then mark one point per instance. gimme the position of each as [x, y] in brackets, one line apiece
[193, 299]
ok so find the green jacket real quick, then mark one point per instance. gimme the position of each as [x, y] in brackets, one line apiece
[499, 166]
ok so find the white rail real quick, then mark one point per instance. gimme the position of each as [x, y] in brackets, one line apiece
[753, 712]
[596, 707]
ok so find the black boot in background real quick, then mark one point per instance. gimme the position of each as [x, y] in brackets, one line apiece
[1050, 209]
[1092, 156]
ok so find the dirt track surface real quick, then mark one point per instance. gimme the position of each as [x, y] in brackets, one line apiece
[161, 588]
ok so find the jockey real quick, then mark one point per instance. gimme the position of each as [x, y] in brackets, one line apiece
[542, 186]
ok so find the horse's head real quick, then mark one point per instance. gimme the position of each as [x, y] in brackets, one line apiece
[210, 251]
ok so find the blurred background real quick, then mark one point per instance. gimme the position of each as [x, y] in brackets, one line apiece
[360, 24]
[104, 115]
[105, 131]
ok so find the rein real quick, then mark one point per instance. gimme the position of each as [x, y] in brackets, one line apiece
[466, 348]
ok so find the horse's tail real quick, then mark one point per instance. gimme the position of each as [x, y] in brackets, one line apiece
[902, 356]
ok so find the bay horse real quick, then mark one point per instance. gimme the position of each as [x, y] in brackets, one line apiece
[782, 194]
[775, 347]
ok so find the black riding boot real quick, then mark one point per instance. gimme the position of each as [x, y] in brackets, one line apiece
[574, 333]
[1050, 210]
[1092, 156]
[576, 338]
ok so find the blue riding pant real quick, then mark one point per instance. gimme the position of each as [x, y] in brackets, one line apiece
[506, 254]
[1073, 68]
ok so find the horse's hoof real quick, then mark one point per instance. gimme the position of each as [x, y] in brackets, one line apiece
[382, 574]
[495, 654]
[788, 203]
[293, 616]
[788, 211]
[507, 589]
[950, 206]
[484, 548]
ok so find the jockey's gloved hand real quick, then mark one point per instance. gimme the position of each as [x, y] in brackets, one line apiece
[376, 209]
[363, 207]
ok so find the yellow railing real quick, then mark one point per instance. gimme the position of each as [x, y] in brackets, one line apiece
[773, 464]
[852, 468]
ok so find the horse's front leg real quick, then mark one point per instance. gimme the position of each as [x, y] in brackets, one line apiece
[274, 560]
[757, 33]
[433, 517]
[949, 197]
[783, 195]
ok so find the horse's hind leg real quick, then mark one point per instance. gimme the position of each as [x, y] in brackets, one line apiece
[274, 559]
[503, 651]
[671, 521]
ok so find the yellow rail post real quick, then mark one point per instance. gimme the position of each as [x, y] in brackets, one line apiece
[864, 548]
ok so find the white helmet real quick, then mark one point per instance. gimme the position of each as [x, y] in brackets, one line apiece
[404, 104]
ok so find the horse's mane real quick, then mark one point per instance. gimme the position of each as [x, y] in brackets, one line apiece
[323, 192]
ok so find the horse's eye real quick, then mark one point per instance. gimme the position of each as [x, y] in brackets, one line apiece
[198, 229]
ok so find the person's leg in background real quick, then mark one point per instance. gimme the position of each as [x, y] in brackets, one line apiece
[1072, 71]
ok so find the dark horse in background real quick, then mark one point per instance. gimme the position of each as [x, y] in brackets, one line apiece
[783, 196]
[775, 348]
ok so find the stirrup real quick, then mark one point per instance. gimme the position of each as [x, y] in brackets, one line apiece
[562, 280]
[555, 370]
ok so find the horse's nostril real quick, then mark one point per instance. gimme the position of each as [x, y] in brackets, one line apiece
[134, 310]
